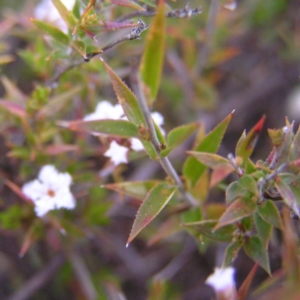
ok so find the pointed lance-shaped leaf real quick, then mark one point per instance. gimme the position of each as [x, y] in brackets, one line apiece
[247, 142]
[135, 189]
[243, 290]
[224, 234]
[254, 248]
[153, 55]
[269, 212]
[264, 229]
[155, 201]
[54, 32]
[130, 105]
[14, 108]
[231, 253]
[66, 15]
[177, 136]
[115, 128]
[237, 210]
[192, 168]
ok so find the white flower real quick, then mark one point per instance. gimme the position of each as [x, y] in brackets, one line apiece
[47, 11]
[105, 110]
[136, 144]
[222, 281]
[117, 153]
[50, 191]
[230, 5]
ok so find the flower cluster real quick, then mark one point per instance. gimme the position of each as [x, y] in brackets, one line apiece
[118, 153]
[50, 191]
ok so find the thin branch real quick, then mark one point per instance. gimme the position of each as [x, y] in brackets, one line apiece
[164, 161]
[181, 13]
[134, 34]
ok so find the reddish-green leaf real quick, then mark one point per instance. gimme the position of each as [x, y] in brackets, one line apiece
[12, 92]
[211, 160]
[224, 234]
[246, 143]
[115, 128]
[155, 201]
[135, 189]
[177, 135]
[192, 168]
[269, 212]
[152, 60]
[231, 253]
[237, 210]
[130, 105]
[287, 194]
[254, 248]
[127, 3]
[264, 229]
[54, 32]
[243, 290]
[14, 108]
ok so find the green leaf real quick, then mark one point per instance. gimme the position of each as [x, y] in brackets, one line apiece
[80, 47]
[52, 31]
[56, 103]
[248, 183]
[269, 212]
[155, 201]
[254, 248]
[130, 106]
[224, 234]
[264, 229]
[211, 160]
[231, 253]
[115, 128]
[237, 210]
[177, 136]
[153, 55]
[246, 143]
[233, 191]
[135, 189]
[193, 169]
[66, 15]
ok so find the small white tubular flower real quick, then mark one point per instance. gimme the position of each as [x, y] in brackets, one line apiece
[222, 281]
[50, 191]
[136, 144]
[47, 11]
[105, 110]
[117, 153]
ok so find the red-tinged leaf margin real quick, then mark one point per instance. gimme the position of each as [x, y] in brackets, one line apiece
[177, 135]
[246, 143]
[152, 61]
[237, 210]
[192, 168]
[155, 201]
